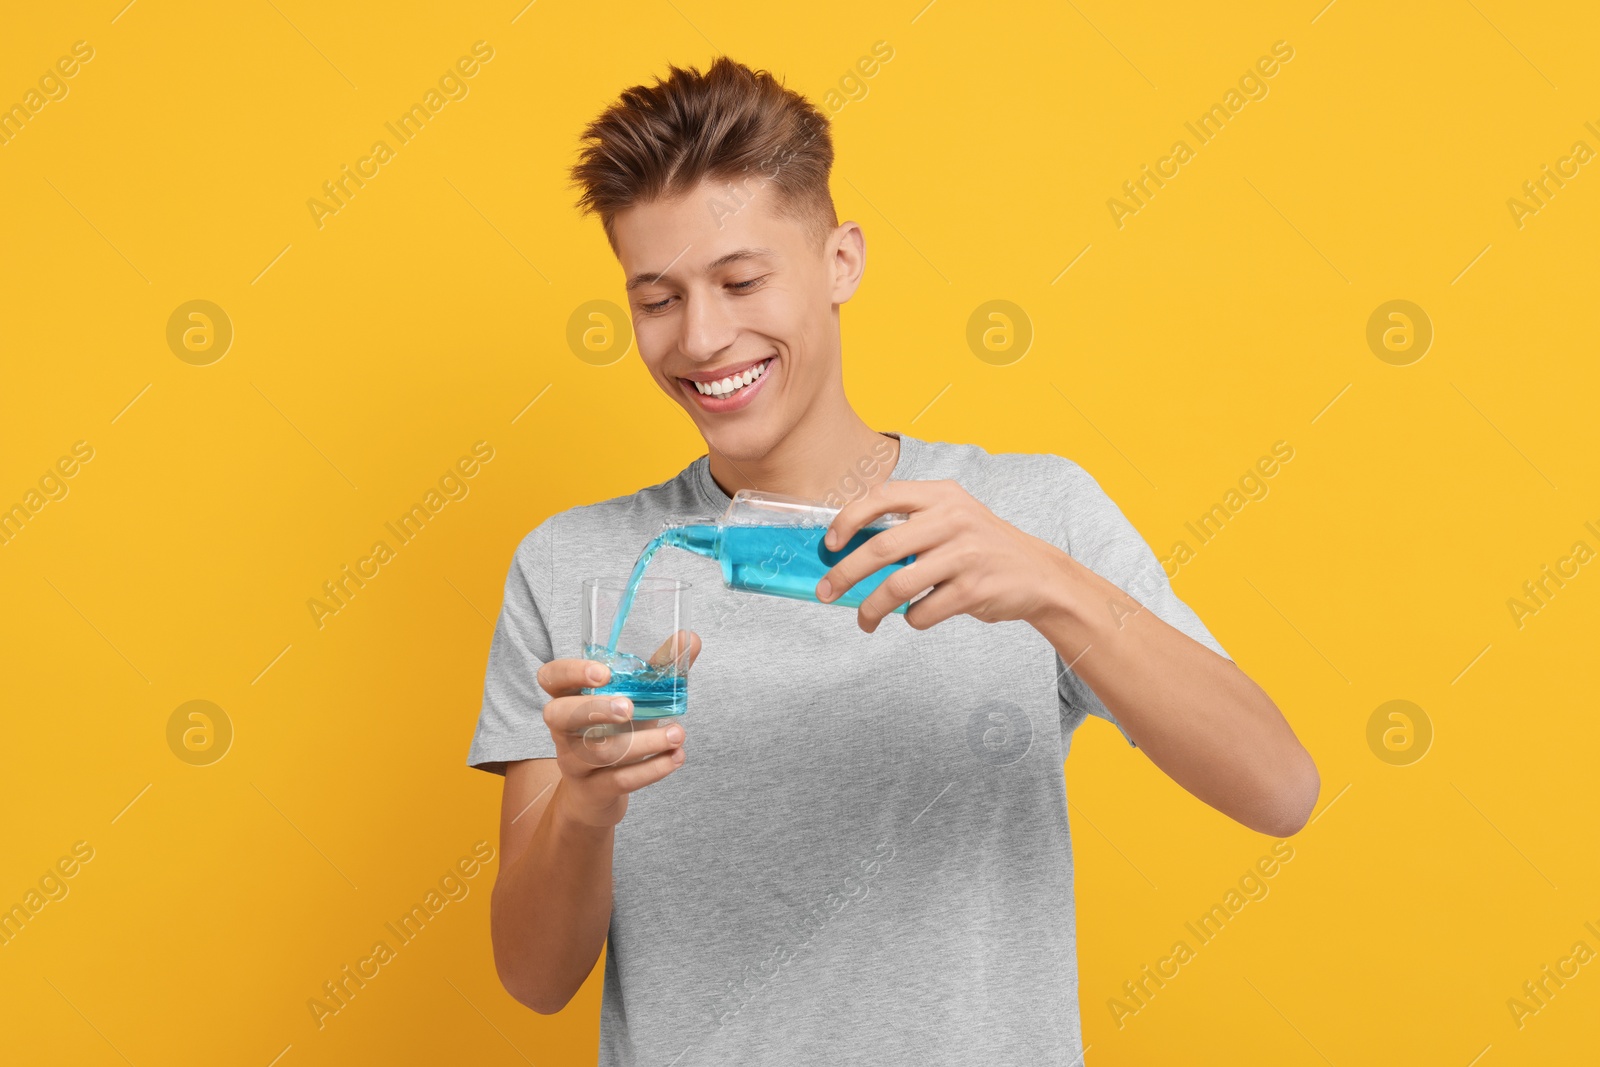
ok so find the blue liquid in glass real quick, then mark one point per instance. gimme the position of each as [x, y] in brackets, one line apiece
[656, 692]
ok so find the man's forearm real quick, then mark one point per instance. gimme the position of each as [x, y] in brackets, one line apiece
[1195, 714]
[550, 910]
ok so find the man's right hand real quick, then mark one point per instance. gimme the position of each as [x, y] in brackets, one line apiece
[602, 753]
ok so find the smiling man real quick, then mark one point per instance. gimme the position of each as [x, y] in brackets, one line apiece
[868, 858]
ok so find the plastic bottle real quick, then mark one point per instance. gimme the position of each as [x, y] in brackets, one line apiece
[770, 543]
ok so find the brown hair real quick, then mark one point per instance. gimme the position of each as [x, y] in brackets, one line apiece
[729, 124]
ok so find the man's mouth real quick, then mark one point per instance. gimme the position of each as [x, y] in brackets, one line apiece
[732, 391]
[730, 384]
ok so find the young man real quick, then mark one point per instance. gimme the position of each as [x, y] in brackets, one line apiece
[868, 858]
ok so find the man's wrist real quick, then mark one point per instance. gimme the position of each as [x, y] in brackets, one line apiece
[1067, 590]
[568, 826]
[1079, 606]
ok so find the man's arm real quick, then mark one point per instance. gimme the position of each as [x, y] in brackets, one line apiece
[1195, 714]
[1202, 721]
[550, 908]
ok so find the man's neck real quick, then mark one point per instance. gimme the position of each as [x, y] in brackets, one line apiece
[818, 459]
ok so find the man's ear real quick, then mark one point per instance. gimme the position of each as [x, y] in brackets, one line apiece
[846, 254]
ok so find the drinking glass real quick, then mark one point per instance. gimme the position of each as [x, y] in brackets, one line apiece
[649, 658]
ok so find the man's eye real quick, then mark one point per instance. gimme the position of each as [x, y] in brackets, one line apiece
[742, 287]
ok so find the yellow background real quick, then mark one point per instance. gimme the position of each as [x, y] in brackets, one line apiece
[370, 354]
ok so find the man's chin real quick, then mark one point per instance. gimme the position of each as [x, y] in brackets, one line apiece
[740, 444]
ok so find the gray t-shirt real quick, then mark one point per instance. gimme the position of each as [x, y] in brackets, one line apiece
[865, 858]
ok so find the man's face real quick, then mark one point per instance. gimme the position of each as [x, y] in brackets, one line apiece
[721, 293]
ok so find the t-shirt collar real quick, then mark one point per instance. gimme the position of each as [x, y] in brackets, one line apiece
[700, 472]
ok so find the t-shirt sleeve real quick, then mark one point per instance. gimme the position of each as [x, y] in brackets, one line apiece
[1098, 535]
[511, 723]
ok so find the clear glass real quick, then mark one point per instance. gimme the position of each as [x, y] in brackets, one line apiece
[649, 656]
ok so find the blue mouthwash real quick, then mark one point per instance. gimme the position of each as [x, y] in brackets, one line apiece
[656, 692]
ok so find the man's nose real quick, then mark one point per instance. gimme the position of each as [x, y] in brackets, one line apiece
[708, 328]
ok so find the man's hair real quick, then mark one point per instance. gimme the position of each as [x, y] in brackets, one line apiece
[730, 124]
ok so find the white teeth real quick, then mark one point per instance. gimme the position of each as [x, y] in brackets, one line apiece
[732, 384]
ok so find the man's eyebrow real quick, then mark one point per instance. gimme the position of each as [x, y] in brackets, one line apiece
[647, 277]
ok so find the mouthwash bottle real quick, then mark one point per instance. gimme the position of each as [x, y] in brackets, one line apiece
[770, 543]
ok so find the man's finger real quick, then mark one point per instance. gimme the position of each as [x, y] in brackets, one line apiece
[572, 715]
[915, 535]
[944, 602]
[682, 648]
[883, 498]
[633, 775]
[564, 677]
[926, 571]
[614, 744]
